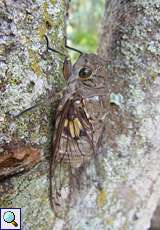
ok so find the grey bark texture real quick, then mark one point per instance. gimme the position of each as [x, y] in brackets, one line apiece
[121, 185]
[130, 41]
[29, 76]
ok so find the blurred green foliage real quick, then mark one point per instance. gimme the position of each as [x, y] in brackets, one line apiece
[83, 25]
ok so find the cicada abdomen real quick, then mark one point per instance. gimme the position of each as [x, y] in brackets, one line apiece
[79, 122]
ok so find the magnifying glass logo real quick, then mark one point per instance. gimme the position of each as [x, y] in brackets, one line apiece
[9, 217]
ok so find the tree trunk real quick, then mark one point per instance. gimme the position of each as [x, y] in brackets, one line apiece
[130, 41]
[29, 76]
[126, 186]
[123, 178]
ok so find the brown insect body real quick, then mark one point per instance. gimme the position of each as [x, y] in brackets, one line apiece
[79, 120]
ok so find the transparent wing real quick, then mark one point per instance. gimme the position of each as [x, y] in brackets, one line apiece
[72, 146]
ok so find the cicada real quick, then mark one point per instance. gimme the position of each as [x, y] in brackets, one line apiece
[79, 119]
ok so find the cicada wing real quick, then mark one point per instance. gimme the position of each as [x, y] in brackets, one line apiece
[55, 161]
[72, 146]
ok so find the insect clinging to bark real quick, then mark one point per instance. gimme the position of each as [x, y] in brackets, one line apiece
[79, 118]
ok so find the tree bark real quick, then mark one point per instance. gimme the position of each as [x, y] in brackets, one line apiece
[130, 41]
[123, 179]
[125, 186]
[30, 77]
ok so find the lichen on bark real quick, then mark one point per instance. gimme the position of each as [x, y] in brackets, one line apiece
[27, 71]
[30, 76]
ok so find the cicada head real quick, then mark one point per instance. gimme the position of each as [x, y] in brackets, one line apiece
[88, 76]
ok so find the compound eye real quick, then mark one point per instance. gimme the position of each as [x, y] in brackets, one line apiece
[85, 73]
